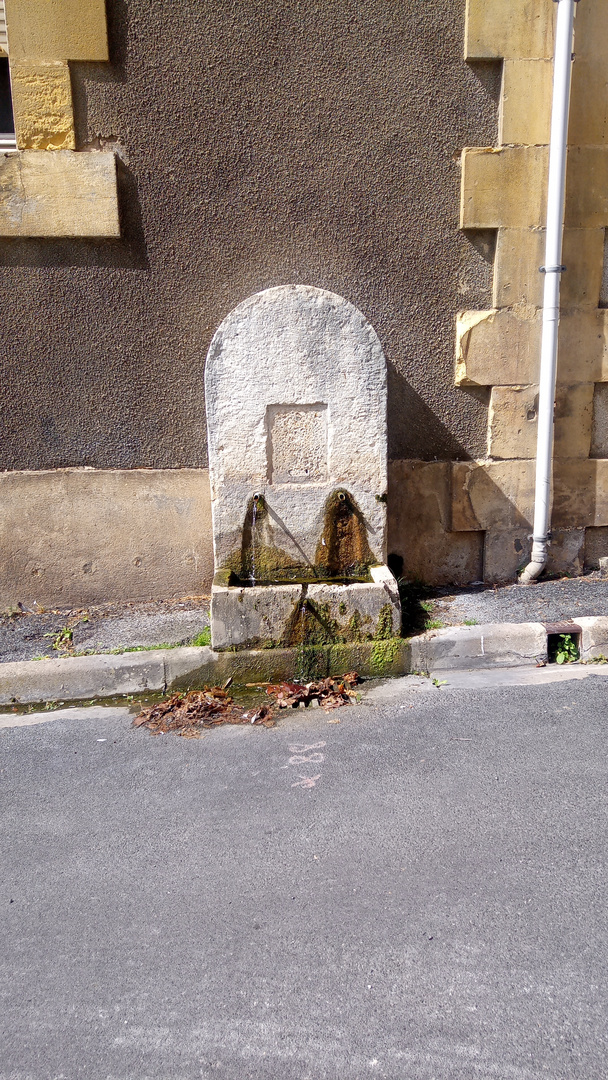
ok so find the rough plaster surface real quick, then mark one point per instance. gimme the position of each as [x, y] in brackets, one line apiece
[307, 361]
[276, 141]
[75, 536]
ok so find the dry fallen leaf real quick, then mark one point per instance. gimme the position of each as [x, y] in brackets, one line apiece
[189, 714]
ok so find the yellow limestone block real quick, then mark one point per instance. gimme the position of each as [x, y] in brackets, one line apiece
[583, 347]
[503, 187]
[591, 31]
[596, 547]
[587, 187]
[525, 104]
[599, 433]
[580, 493]
[42, 104]
[512, 419]
[573, 420]
[588, 126]
[513, 414]
[72, 536]
[589, 99]
[503, 347]
[60, 194]
[57, 29]
[492, 495]
[497, 348]
[498, 498]
[523, 28]
[419, 524]
[508, 187]
[505, 552]
[520, 253]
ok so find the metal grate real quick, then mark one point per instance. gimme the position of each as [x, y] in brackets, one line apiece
[3, 35]
[567, 626]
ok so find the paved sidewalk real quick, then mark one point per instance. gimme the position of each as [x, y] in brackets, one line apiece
[26, 634]
[544, 601]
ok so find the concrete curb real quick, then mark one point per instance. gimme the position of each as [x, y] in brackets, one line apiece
[491, 645]
[503, 644]
[83, 678]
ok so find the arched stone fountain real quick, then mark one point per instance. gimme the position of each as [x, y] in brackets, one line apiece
[295, 388]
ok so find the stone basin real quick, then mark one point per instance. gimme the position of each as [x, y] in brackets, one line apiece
[327, 612]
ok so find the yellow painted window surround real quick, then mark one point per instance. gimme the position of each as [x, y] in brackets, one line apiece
[62, 193]
[7, 122]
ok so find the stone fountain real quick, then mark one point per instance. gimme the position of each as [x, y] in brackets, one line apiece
[295, 387]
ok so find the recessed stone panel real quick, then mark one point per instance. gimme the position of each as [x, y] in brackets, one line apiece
[297, 444]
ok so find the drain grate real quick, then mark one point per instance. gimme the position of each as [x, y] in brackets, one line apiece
[565, 627]
[557, 650]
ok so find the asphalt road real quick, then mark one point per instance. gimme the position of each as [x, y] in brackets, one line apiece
[418, 891]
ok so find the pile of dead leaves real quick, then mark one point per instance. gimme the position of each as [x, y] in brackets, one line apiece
[190, 714]
[328, 693]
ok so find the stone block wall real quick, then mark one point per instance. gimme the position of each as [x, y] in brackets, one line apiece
[331, 162]
[504, 189]
[60, 194]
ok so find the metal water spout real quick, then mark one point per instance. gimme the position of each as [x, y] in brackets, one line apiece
[256, 499]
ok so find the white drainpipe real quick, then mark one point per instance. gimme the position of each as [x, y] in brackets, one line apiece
[552, 269]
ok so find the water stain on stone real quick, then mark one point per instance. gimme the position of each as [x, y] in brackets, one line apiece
[343, 550]
[260, 559]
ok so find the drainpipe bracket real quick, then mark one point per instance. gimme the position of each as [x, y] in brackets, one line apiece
[552, 269]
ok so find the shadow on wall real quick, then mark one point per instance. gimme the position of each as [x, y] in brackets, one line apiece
[420, 523]
[464, 521]
[455, 520]
[422, 436]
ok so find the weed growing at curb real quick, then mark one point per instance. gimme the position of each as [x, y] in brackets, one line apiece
[563, 649]
[62, 640]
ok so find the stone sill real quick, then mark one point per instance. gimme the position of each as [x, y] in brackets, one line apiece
[59, 193]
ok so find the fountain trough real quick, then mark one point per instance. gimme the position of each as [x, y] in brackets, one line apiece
[295, 387]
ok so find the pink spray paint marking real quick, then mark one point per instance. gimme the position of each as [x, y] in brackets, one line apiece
[302, 754]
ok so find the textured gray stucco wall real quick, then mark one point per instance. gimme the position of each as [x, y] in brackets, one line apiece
[264, 142]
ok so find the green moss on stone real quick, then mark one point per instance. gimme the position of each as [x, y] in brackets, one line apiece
[383, 655]
[311, 663]
[384, 629]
